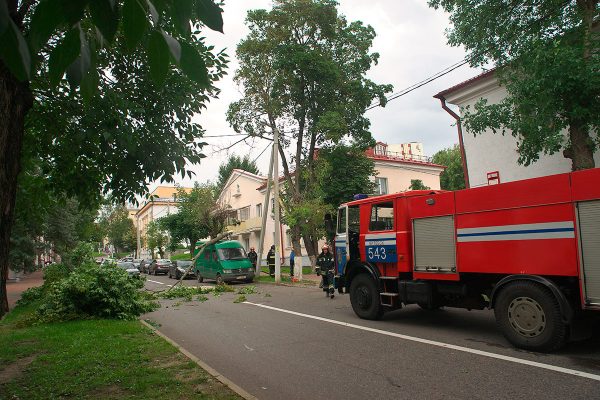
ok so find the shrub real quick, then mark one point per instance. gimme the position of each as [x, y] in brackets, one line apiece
[91, 291]
[30, 295]
[54, 273]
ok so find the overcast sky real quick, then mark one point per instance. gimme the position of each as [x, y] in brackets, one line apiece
[412, 47]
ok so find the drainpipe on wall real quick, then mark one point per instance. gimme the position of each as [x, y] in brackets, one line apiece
[463, 154]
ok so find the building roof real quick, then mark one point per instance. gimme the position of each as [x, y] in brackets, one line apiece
[468, 82]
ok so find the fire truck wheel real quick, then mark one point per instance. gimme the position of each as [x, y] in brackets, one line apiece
[364, 297]
[529, 317]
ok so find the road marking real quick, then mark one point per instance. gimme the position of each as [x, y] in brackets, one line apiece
[554, 368]
[160, 283]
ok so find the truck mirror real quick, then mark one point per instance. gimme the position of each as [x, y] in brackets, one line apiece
[327, 217]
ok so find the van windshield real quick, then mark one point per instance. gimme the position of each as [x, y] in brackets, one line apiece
[237, 253]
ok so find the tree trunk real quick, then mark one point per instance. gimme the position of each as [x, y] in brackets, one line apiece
[15, 101]
[581, 149]
[297, 256]
[311, 251]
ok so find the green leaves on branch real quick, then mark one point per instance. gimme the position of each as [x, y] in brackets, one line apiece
[72, 30]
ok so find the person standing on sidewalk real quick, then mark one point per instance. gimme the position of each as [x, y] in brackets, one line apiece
[252, 256]
[271, 261]
[292, 262]
[325, 267]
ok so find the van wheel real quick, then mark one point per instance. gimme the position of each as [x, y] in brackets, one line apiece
[529, 317]
[364, 297]
[219, 279]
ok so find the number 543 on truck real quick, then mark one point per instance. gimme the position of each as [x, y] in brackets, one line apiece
[529, 250]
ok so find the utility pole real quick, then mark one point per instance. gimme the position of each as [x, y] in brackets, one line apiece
[265, 213]
[276, 205]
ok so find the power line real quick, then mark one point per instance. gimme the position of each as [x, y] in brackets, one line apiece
[458, 64]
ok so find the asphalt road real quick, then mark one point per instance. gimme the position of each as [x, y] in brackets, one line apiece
[293, 343]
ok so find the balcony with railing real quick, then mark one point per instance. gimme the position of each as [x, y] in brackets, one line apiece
[247, 226]
[384, 154]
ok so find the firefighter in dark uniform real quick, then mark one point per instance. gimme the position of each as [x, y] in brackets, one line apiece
[271, 260]
[325, 268]
[252, 256]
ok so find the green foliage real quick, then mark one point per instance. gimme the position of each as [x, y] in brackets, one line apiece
[240, 299]
[54, 273]
[118, 227]
[77, 28]
[547, 55]
[453, 177]
[156, 238]
[132, 132]
[199, 216]
[247, 290]
[224, 288]
[87, 291]
[417, 184]
[82, 254]
[202, 298]
[234, 162]
[346, 171]
[302, 69]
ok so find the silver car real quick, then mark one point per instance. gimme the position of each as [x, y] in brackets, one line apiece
[130, 268]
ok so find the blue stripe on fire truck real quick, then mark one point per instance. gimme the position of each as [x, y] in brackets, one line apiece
[381, 247]
[546, 230]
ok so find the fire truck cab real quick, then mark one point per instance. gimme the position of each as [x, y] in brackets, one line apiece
[528, 249]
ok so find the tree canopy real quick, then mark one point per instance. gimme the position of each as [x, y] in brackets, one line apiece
[235, 162]
[302, 71]
[453, 177]
[547, 55]
[99, 68]
[198, 216]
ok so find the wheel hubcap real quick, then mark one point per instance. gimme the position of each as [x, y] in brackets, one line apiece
[363, 297]
[526, 316]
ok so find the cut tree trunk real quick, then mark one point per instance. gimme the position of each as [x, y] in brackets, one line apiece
[581, 149]
[15, 101]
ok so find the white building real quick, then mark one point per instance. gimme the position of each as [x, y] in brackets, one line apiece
[244, 192]
[492, 158]
[161, 202]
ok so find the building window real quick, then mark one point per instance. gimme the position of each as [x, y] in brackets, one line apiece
[259, 210]
[244, 213]
[382, 185]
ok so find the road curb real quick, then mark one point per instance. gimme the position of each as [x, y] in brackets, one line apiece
[213, 372]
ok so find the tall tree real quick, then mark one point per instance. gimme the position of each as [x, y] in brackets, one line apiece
[453, 177]
[199, 215]
[46, 39]
[156, 239]
[302, 68]
[118, 227]
[235, 162]
[346, 171]
[547, 55]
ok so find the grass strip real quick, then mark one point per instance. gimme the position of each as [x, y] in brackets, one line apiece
[96, 359]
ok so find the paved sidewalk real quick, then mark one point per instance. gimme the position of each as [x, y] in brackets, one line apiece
[15, 288]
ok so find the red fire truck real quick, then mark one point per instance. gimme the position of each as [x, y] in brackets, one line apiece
[528, 249]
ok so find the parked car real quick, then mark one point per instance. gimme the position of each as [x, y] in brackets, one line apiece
[126, 259]
[108, 261]
[159, 266]
[224, 262]
[144, 265]
[129, 267]
[178, 268]
[136, 263]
